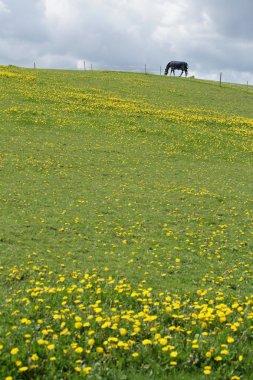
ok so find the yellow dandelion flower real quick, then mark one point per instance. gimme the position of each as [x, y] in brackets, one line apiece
[14, 351]
[230, 339]
[135, 354]
[122, 331]
[79, 350]
[87, 370]
[65, 331]
[34, 357]
[207, 370]
[100, 350]
[173, 354]
[105, 325]
[41, 341]
[146, 342]
[112, 339]
[163, 341]
[51, 347]
[25, 321]
[23, 369]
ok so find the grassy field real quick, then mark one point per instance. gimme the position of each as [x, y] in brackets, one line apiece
[126, 227]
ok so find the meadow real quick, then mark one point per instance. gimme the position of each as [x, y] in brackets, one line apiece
[126, 227]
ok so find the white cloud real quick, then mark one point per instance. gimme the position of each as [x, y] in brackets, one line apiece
[61, 14]
[3, 7]
[212, 36]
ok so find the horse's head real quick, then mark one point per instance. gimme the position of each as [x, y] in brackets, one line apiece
[167, 69]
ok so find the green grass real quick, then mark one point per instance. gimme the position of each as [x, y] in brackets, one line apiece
[139, 182]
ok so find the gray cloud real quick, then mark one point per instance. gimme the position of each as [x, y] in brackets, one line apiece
[212, 36]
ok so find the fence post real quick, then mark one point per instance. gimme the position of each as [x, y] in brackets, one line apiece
[84, 67]
[247, 86]
[145, 68]
[91, 66]
[220, 78]
[34, 65]
[160, 70]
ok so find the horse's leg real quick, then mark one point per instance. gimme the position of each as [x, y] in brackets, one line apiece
[181, 73]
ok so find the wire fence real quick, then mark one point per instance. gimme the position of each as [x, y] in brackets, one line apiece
[158, 70]
[130, 68]
[146, 69]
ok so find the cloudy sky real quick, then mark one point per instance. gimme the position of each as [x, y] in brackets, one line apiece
[213, 36]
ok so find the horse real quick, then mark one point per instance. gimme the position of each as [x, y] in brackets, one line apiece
[176, 65]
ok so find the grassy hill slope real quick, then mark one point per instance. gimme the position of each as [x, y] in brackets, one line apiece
[126, 226]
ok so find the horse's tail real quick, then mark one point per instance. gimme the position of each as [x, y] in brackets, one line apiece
[186, 68]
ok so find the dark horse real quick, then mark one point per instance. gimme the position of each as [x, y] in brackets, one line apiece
[176, 65]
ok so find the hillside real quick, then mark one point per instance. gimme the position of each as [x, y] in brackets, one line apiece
[126, 226]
